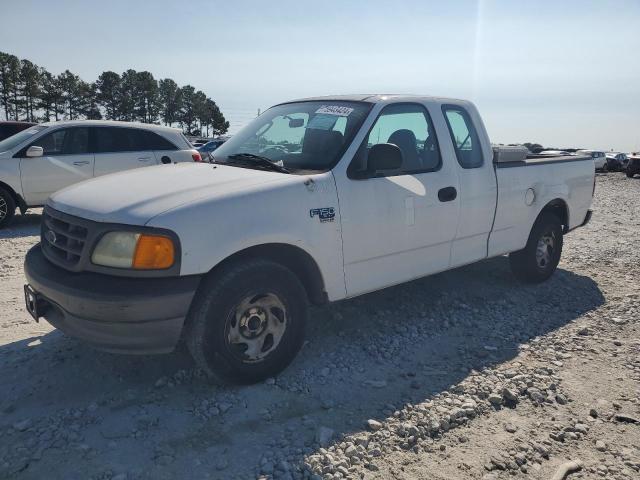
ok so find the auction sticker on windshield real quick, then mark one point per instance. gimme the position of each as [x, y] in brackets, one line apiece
[335, 110]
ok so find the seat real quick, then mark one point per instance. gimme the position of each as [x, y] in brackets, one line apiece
[405, 140]
[324, 143]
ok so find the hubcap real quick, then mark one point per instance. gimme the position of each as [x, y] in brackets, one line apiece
[545, 249]
[256, 327]
[3, 208]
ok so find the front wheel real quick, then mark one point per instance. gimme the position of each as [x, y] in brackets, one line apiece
[247, 321]
[540, 257]
[7, 208]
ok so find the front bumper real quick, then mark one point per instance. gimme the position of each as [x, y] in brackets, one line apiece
[116, 314]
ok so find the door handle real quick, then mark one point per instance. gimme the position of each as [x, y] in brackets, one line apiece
[144, 159]
[447, 194]
[83, 162]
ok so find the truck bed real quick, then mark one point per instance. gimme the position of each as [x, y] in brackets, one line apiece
[523, 192]
[534, 159]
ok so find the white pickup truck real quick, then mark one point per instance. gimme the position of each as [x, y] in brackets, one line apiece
[314, 201]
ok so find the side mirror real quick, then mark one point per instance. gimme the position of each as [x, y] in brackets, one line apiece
[34, 151]
[384, 156]
[296, 122]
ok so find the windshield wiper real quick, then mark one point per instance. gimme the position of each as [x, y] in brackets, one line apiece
[259, 160]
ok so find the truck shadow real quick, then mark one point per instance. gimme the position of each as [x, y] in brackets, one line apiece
[26, 225]
[384, 350]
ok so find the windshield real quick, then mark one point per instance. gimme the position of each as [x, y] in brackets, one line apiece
[297, 136]
[15, 140]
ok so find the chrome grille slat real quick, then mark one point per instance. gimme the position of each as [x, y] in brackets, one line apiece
[62, 239]
[71, 231]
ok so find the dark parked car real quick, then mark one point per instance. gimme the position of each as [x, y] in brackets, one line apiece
[11, 128]
[209, 147]
[633, 165]
[616, 161]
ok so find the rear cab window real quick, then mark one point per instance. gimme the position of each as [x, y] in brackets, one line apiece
[464, 136]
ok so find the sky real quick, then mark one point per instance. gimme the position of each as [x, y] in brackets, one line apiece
[558, 73]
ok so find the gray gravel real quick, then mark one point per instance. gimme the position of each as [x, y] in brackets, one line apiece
[466, 374]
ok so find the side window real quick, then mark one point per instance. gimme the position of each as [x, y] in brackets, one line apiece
[464, 137]
[114, 139]
[137, 139]
[52, 143]
[156, 142]
[65, 141]
[105, 140]
[76, 141]
[410, 128]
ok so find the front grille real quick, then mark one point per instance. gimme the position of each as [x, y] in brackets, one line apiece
[62, 239]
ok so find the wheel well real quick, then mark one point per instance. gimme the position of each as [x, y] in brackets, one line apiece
[559, 208]
[294, 258]
[17, 198]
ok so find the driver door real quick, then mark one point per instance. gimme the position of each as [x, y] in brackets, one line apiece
[398, 225]
[65, 160]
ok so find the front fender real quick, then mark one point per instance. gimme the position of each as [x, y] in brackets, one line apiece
[212, 230]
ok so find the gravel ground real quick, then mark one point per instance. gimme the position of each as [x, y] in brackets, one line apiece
[462, 375]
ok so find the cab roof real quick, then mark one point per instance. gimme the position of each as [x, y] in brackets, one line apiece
[379, 98]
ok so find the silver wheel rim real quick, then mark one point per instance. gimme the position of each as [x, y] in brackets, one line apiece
[4, 208]
[256, 327]
[545, 250]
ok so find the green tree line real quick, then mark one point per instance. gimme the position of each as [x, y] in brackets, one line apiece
[31, 93]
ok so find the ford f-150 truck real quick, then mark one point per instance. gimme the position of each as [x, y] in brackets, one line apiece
[314, 201]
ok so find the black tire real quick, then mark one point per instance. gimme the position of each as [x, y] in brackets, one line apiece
[526, 265]
[630, 174]
[7, 208]
[213, 320]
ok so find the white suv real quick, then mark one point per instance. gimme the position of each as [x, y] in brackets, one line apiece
[45, 158]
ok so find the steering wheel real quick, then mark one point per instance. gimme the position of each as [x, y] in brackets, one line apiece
[275, 151]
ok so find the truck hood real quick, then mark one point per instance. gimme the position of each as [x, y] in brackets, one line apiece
[136, 196]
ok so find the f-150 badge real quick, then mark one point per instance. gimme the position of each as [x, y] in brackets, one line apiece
[326, 214]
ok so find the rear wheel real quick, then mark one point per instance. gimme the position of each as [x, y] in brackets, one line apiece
[540, 257]
[7, 208]
[247, 322]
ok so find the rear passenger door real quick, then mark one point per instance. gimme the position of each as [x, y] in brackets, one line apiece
[477, 181]
[120, 148]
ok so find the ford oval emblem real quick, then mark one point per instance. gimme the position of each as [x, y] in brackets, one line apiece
[51, 237]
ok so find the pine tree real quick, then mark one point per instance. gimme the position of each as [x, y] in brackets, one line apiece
[30, 87]
[108, 90]
[170, 99]
[50, 98]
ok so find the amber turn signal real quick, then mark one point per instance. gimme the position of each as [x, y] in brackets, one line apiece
[153, 252]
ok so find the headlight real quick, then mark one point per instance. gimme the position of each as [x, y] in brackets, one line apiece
[139, 251]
